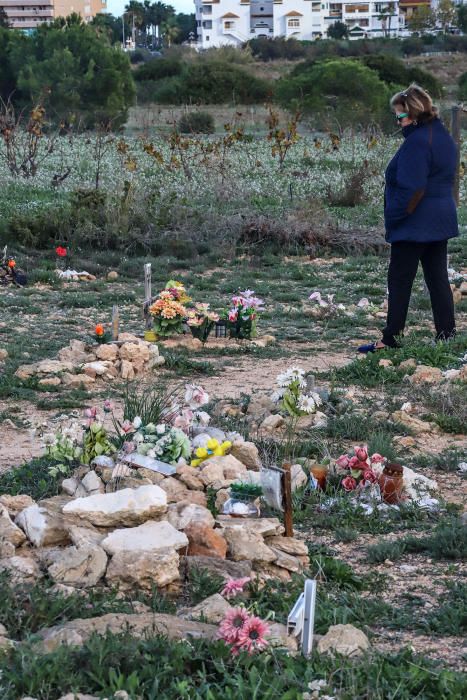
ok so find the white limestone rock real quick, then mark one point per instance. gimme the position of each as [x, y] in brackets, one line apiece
[42, 527]
[126, 507]
[149, 537]
[82, 567]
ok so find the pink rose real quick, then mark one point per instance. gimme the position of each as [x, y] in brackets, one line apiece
[343, 462]
[352, 462]
[361, 452]
[360, 465]
[349, 483]
[377, 458]
[369, 476]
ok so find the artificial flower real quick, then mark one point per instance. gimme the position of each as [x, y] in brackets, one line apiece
[11, 263]
[60, 251]
[232, 624]
[196, 396]
[376, 458]
[343, 462]
[361, 452]
[127, 426]
[369, 477]
[234, 586]
[349, 483]
[184, 420]
[137, 422]
[99, 330]
[251, 635]
[108, 406]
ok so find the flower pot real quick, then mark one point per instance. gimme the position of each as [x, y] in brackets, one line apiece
[150, 335]
[319, 471]
[391, 483]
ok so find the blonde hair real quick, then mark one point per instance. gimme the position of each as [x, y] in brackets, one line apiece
[416, 102]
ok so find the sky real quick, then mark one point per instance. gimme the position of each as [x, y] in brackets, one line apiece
[115, 7]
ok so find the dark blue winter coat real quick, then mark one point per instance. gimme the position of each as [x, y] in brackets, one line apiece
[419, 204]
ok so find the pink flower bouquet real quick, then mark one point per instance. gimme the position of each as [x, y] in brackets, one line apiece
[358, 468]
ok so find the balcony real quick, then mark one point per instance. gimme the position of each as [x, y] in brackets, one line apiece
[15, 13]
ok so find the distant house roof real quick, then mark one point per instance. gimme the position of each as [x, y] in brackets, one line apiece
[230, 15]
[294, 13]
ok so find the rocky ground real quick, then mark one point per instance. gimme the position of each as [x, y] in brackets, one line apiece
[397, 578]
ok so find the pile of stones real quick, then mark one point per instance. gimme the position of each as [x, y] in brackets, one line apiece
[80, 363]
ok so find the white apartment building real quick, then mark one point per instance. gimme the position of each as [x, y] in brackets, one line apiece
[232, 22]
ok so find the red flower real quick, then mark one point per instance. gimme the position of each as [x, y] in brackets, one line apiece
[349, 483]
[360, 465]
[11, 264]
[61, 252]
[99, 329]
[343, 462]
[369, 476]
[361, 452]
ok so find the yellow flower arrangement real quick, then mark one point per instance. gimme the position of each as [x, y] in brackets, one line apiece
[178, 292]
[213, 448]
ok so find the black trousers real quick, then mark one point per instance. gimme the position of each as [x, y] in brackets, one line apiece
[403, 266]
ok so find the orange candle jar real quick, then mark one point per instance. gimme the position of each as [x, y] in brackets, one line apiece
[320, 472]
[391, 483]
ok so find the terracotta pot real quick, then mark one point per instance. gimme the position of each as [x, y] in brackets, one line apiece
[391, 483]
[320, 472]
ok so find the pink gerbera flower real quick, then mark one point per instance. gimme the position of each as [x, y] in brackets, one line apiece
[231, 625]
[251, 636]
[234, 586]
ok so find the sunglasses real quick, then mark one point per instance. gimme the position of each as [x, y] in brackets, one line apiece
[401, 116]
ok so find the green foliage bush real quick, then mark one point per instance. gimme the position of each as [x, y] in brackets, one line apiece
[74, 72]
[196, 123]
[279, 47]
[158, 68]
[448, 541]
[197, 670]
[394, 72]
[32, 478]
[341, 90]
[204, 81]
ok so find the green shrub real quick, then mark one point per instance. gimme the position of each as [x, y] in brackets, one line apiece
[448, 541]
[158, 68]
[394, 72]
[198, 670]
[204, 81]
[32, 478]
[343, 90]
[196, 123]
[279, 47]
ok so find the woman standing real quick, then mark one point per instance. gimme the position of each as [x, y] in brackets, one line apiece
[420, 215]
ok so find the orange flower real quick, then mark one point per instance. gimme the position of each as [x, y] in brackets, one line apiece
[11, 263]
[99, 329]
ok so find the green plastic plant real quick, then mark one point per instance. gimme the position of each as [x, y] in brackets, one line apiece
[96, 443]
[244, 489]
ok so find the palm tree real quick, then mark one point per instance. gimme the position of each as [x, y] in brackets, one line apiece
[170, 31]
[385, 16]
